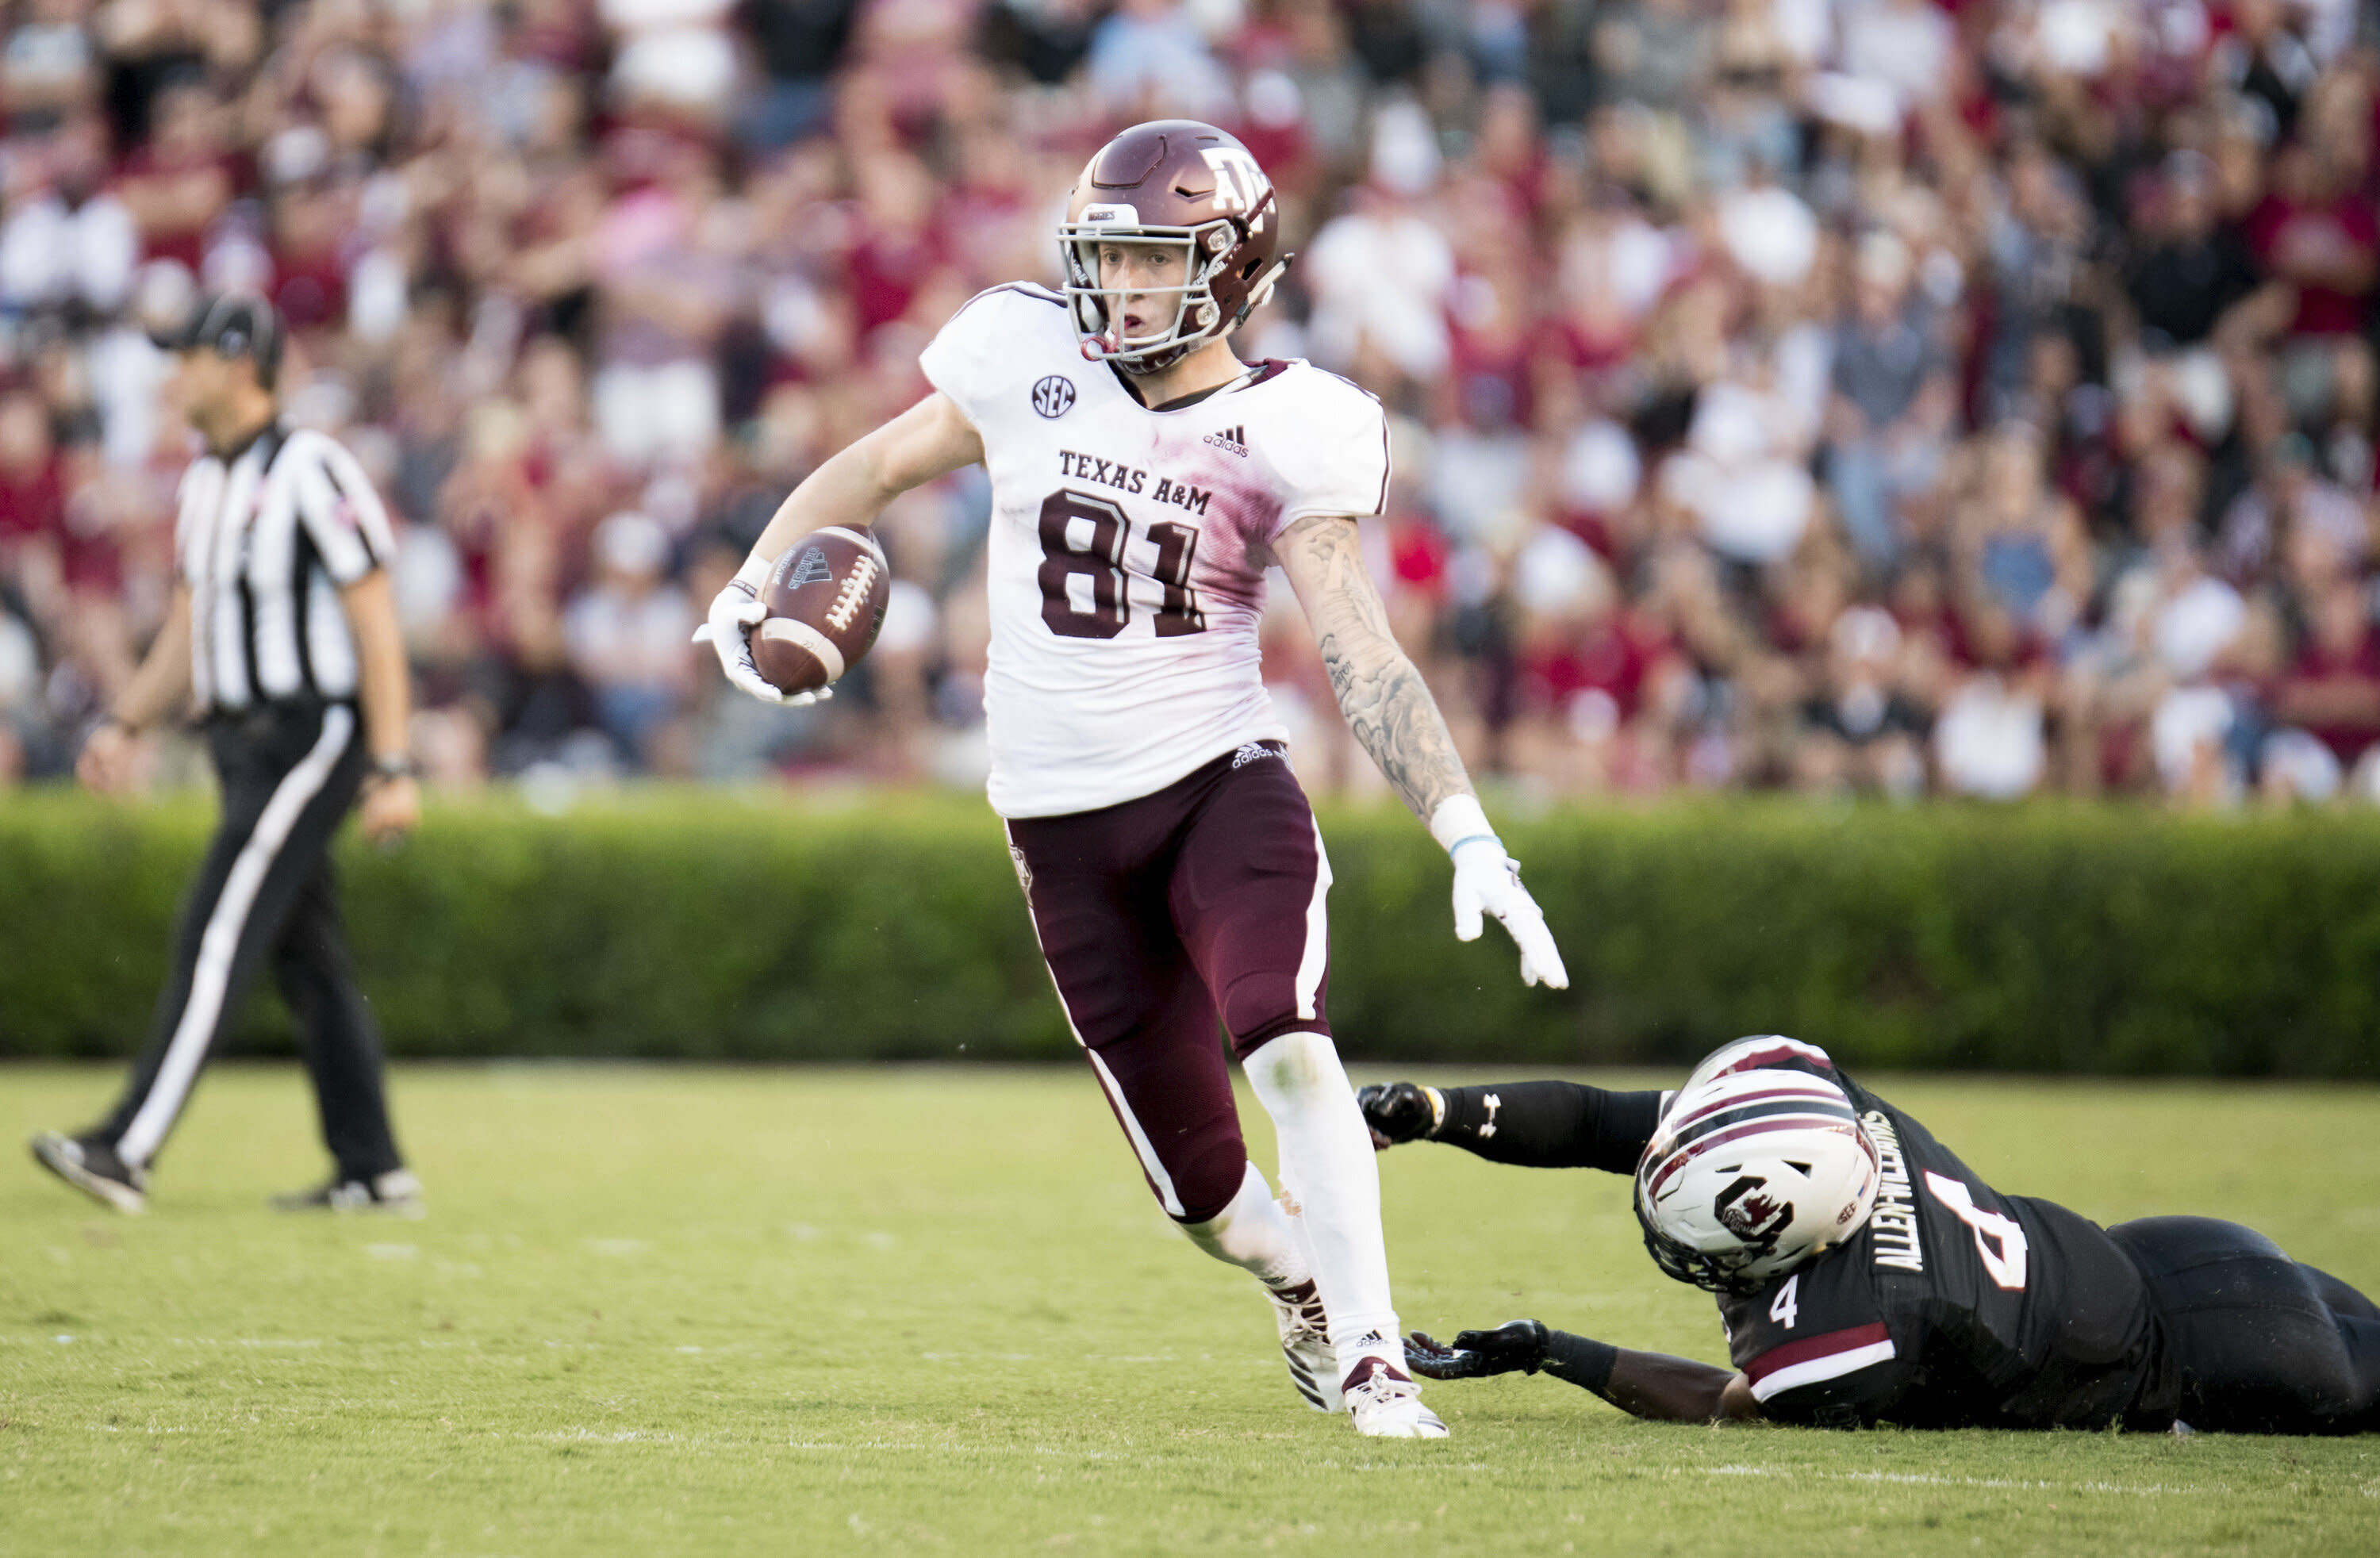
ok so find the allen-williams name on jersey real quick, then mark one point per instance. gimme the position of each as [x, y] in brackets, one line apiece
[1954, 1306]
[1128, 548]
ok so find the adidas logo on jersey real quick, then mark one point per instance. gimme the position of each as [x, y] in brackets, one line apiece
[1252, 752]
[1235, 439]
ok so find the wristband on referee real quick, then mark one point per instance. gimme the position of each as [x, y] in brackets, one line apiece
[1460, 820]
[1581, 1360]
[391, 765]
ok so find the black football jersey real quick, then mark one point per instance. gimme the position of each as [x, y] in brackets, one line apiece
[1954, 1307]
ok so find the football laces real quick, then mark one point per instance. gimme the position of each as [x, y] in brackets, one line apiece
[854, 589]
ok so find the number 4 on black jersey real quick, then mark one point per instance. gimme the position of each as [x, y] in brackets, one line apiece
[1953, 1305]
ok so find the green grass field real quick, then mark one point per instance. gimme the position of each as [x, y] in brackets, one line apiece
[661, 1311]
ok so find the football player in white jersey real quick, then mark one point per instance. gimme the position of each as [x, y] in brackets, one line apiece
[1143, 479]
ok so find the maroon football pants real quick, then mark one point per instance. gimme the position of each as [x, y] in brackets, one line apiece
[1161, 916]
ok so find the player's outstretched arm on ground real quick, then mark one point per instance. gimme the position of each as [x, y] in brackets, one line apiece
[1531, 1124]
[1649, 1385]
[930, 440]
[1389, 708]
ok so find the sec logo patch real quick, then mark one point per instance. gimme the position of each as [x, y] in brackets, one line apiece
[1055, 396]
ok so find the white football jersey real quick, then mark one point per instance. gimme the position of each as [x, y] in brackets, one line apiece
[1128, 548]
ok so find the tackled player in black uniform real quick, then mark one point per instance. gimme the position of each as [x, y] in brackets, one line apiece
[1864, 1274]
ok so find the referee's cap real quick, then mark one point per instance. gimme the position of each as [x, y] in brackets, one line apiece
[234, 323]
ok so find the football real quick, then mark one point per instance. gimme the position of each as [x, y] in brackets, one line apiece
[826, 599]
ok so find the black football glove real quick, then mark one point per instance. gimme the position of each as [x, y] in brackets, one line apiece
[1516, 1343]
[1396, 1112]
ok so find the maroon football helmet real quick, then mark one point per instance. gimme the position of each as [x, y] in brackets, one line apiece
[1171, 181]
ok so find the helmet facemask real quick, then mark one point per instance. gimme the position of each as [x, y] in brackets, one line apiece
[1208, 251]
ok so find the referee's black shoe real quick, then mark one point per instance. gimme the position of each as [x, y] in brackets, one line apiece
[396, 1193]
[92, 1166]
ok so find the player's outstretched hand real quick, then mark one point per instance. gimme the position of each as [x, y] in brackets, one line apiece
[1488, 881]
[1397, 1112]
[1516, 1343]
[735, 611]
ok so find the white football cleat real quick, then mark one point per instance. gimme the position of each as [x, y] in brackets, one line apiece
[1306, 1343]
[1385, 1402]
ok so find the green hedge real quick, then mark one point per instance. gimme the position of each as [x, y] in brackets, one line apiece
[760, 926]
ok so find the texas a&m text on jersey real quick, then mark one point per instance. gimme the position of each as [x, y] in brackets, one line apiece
[1129, 546]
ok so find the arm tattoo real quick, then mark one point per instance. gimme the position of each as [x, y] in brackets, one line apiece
[1389, 708]
[1387, 704]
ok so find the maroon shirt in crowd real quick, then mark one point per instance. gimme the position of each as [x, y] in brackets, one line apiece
[1616, 657]
[32, 503]
[2332, 690]
[2283, 227]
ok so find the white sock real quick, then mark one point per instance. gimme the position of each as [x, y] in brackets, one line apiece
[1254, 1234]
[1326, 1165]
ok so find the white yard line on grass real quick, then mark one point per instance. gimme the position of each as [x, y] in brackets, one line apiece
[1930, 1479]
[1046, 1452]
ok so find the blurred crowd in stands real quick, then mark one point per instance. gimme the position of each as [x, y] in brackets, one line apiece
[1973, 398]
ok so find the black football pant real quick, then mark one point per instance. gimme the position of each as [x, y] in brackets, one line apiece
[289, 773]
[2262, 1343]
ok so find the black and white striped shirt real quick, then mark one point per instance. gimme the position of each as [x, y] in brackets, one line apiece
[266, 540]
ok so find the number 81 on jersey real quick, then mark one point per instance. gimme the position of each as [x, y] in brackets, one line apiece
[1086, 574]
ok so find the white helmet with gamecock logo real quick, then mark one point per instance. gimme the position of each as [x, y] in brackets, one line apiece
[1758, 1163]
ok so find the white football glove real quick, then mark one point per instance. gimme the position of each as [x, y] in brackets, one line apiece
[1488, 881]
[735, 611]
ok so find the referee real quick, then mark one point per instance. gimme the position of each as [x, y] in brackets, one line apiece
[282, 622]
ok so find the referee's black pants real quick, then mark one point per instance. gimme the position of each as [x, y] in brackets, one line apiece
[289, 773]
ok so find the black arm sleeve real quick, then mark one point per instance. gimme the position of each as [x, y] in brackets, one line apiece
[1580, 1360]
[1551, 1125]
